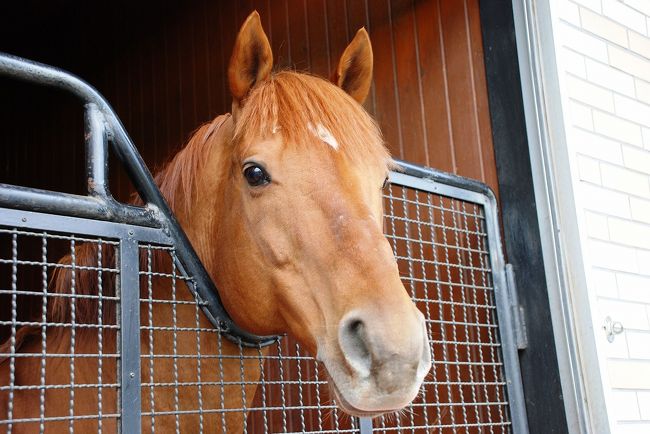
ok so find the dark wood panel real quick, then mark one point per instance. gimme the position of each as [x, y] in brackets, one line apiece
[163, 67]
[165, 71]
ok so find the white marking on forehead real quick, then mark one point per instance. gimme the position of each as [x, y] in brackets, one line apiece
[324, 134]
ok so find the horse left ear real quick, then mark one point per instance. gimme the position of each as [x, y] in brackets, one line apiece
[251, 61]
[354, 73]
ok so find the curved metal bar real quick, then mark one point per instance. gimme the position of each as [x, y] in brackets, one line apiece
[445, 178]
[101, 203]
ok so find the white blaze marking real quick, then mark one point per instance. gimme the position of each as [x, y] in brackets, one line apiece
[323, 133]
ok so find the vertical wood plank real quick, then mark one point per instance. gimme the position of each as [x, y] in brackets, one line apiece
[406, 68]
[381, 37]
[462, 109]
[434, 86]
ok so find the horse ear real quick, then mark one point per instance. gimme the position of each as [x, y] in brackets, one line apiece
[251, 59]
[354, 73]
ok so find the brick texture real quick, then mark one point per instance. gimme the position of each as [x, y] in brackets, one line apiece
[603, 63]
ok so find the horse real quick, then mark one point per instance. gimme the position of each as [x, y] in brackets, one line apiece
[282, 200]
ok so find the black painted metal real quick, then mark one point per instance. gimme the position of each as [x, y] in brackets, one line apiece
[103, 127]
[544, 402]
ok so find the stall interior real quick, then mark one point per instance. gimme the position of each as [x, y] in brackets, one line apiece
[162, 66]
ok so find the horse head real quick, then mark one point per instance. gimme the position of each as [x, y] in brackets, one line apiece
[291, 206]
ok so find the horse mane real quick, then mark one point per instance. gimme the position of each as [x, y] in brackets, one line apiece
[289, 102]
[177, 180]
[294, 104]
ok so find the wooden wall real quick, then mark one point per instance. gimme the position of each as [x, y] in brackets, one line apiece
[162, 67]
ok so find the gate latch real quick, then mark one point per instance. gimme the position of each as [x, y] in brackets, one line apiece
[519, 323]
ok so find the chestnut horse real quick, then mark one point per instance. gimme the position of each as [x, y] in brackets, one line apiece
[282, 200]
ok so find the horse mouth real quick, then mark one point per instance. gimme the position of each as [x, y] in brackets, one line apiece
[346, 406]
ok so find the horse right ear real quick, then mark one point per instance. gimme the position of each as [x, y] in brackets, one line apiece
[251, 60]
[354, 72]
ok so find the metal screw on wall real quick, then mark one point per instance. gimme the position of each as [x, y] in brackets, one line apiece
[612, 328]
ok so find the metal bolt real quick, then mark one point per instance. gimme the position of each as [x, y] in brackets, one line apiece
[131, 232]
[24, 219]
[612, 328]
[132, 374]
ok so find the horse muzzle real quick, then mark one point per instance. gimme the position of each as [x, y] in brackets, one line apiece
[380, 362]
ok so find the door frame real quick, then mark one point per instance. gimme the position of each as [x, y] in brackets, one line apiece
[541, 234]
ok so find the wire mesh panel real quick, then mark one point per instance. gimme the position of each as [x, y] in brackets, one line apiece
[101, 331]
[443, 256]
[60, 327]
[194, 380]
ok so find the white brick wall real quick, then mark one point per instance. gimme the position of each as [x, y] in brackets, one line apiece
[603, 57]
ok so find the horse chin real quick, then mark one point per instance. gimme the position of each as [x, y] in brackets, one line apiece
[349, 408]
[344, 405]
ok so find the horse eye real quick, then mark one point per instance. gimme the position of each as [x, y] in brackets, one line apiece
[385, 184]
[256, 175]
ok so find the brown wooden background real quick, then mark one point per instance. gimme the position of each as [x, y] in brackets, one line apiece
[162, 65]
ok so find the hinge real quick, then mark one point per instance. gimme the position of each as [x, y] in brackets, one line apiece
[518, 319]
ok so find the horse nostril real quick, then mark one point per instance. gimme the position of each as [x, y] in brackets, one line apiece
[353, 339]
[356, 327]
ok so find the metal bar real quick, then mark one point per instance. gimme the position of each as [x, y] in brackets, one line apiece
[430, 184]
[52, 202]
[37, 73]
[506, 325]
[129, 336]
[365, 425]
[80, 226]
[444, 178]
[96, 152]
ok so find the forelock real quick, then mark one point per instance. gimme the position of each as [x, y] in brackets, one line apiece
[298, 105]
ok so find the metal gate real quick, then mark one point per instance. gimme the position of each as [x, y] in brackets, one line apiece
[444, 231]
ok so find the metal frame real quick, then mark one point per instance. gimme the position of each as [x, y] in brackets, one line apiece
[128, 290]
[457, 187]
[98, 214]
[103, 127]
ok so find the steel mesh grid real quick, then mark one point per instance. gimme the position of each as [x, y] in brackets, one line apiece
[443, 256]
[59, 327]
[193, 380]
[442, 250]
[221, 387]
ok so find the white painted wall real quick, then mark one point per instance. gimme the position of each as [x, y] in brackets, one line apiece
[603, 66]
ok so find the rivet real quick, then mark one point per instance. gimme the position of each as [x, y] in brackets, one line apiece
[24, 219]
[132, 374]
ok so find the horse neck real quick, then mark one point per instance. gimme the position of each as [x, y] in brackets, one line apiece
[193, 185]
[199, 211]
